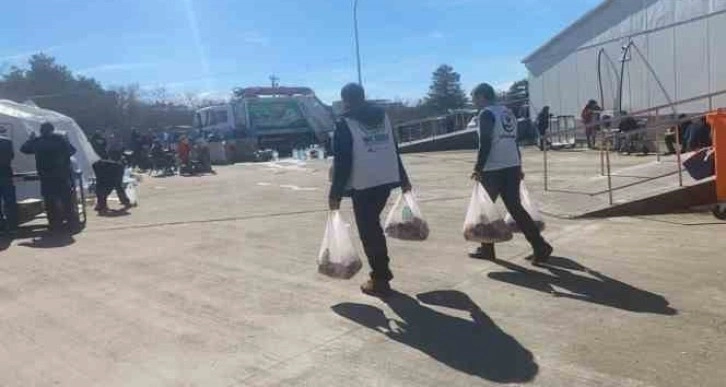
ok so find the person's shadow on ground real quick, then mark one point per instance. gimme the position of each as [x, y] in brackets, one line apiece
[114, 213]
[596, 287]
[49, 240]
[476, 346]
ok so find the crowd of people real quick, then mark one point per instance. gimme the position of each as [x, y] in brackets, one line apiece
[687, 134]
[53, 154]
[165, 153]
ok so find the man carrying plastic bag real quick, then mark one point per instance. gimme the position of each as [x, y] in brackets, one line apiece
[338, 258]
[499, 168]
[366, 167]
[405, 221]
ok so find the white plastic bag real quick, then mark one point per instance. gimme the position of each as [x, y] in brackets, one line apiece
[405, 221]
[531, 209]
[338, 257]
[483, 222]
[132, 191]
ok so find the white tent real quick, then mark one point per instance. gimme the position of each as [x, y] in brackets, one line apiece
[17, 121]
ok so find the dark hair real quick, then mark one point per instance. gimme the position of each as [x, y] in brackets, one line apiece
[353, 94]
[46, 127]
[484, 90]
[114, 155]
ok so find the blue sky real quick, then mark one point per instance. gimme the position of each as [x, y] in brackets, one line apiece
[207, 47]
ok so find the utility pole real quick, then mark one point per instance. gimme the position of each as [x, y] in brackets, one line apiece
[275, 81]
[357, 42]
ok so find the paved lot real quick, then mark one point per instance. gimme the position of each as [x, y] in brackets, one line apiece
[212, 282]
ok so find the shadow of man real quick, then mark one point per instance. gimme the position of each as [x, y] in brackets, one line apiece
[50, 241]
[114, 213]
[476, 346]
[593, 287]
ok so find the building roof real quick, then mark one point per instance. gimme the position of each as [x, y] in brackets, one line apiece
[567, 31]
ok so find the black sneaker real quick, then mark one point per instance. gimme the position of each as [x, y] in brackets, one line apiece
[542, 253]
[376, 288]
[486, 252]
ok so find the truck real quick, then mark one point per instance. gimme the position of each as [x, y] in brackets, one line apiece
[278, 118]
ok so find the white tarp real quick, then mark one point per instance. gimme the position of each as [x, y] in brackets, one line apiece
[18, 121]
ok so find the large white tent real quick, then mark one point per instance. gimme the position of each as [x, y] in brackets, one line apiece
[678, 54]
[18, 121]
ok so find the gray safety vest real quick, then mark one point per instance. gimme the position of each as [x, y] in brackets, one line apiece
[504, 152]
[375, 161]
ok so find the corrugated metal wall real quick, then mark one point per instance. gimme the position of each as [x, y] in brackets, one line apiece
[682, 40]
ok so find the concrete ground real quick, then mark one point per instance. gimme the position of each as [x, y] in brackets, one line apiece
[212, 282]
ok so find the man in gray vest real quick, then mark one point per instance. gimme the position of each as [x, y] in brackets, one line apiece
[499, 168]
[366, 168]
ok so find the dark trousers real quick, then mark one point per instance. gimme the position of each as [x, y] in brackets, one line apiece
[670, 141]
[505, 182]
[368, 205]
[102, 192]
[8, 206]
[59, 204]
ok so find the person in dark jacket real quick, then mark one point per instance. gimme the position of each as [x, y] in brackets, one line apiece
[499, 168]
[366, 168]
[543, 124]
[699, 135]
[53, 162]
[109, 177]
[99, 144]
[590, 116]
[8, 200]
[677, 135]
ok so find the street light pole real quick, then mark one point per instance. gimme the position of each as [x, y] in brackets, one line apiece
[357, 42]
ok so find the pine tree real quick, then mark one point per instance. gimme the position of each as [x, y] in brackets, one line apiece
[445, 92]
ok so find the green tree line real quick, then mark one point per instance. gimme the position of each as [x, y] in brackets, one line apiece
[53, 86]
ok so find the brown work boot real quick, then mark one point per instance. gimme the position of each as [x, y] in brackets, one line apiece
[376, 288]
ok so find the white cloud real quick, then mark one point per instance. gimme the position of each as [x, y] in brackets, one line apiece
[109, 67]
[436, 35]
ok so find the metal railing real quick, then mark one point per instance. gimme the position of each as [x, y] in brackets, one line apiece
[609, 138]
[432, 127]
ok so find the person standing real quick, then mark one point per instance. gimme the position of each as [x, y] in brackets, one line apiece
[53, 162]
[677, 135]
[543, 124]
[99, 144]
[184, 150]
[499, 168]
[8, 201]
[109, 177]
[366, 168]
[590, 116]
